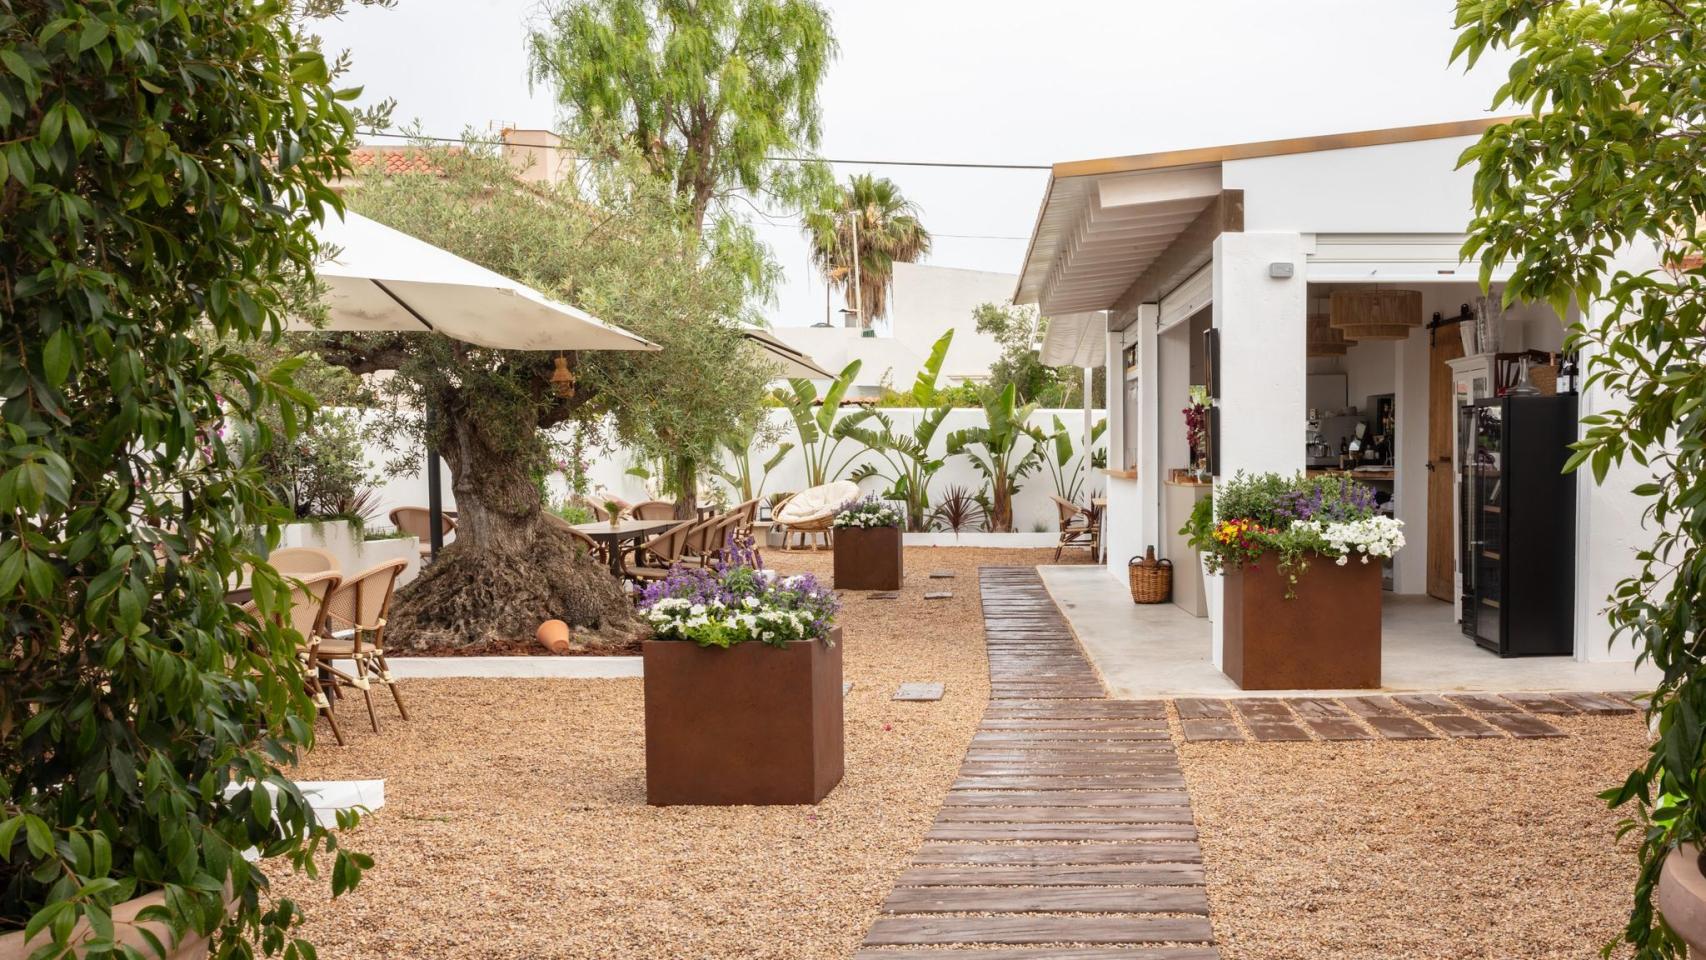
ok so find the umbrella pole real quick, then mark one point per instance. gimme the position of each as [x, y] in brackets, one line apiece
[435, 495]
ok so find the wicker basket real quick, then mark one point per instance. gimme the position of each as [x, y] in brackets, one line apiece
[1151, 579]
[1544, 379]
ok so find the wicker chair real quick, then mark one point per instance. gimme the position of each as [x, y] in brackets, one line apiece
[354, 630]
[653, 510]
[810, 512]
[417, 523]
[1079, 527]
[661, 553]
[308, 597]
[301, 561]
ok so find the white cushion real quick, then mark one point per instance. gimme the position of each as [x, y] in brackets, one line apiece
[818, 502]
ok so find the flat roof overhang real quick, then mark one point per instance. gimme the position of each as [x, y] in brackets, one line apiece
[1119, 231]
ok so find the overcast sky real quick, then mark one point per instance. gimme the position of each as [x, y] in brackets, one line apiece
[991, 81]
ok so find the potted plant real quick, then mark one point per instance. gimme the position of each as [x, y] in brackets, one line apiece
[868, 552]
[1196, 431]
[742, 685]
[1300, 599]
[613, 509]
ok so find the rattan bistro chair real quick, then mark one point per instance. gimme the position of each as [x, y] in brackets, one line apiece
[1079, 527]
[308, 596]
[653, 510]
[417, 522]
[660, 554]
[301, 561]
[354, 630]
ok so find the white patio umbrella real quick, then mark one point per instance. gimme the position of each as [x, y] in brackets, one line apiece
[385, 280]
[381, 279]
[795, 364]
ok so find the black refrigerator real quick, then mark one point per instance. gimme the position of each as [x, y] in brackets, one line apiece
[1517, 538]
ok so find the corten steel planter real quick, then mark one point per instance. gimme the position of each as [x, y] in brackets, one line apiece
[1327, 637]
[868, 558]
[753, 724]
[1682, 898]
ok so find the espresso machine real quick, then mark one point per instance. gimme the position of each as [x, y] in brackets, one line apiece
[1325, 436]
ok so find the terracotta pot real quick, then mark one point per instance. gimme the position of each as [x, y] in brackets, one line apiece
[553, 635]
[1327, 637]
[1682, 897]
[126, 931]
[752, 724]
[869, 558]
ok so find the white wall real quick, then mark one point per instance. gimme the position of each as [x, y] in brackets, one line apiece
[1610, 527]
[925, 303]
[928, 300]
[1031, 508]
[1393, 188]
[1262, 383]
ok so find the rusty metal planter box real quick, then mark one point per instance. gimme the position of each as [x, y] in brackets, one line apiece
[1325, 638]
[752, 724]
[868, 558]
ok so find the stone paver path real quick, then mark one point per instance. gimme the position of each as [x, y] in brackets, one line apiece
[1068, 833]
[1470, 716]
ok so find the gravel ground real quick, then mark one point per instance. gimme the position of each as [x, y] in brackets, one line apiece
[516, 826]
[1455, 850]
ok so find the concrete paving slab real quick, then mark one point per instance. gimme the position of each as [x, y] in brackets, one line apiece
[1155, 650]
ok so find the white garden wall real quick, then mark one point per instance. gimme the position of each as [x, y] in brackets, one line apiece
[1032, 508]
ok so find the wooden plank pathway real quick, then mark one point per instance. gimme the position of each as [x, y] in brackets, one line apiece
[1068, 833]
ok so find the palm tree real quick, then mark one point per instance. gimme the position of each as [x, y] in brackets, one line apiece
[888, 231]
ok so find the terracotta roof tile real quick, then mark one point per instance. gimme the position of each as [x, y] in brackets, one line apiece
[393, 160]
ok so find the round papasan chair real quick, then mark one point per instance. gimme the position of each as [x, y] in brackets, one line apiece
[810, 511]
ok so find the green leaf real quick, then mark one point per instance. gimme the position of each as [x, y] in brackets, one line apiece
[57, 357]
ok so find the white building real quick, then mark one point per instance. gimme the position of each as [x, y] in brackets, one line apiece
[1137, 257]
[925, 303]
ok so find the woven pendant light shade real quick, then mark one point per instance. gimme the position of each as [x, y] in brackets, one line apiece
[1375, 314]
[1323, 339]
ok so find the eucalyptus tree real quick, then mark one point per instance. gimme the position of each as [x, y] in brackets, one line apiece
[858, 232]
[709, 93]
[615, 247]
[1606, 159]
[161, 166]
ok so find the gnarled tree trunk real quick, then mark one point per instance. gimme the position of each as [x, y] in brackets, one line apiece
[510, 567]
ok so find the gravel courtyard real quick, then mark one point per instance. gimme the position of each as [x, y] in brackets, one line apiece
[1425, 850]
[516, 823]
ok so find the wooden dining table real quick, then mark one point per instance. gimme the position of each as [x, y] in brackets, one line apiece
[613, 535]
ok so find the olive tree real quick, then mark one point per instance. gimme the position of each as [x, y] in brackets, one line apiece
[1606, 160]
[615, 246]
[160, 168]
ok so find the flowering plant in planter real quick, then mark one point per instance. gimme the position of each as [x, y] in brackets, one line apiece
[869, 512]
[737, 602]
[1296, 518]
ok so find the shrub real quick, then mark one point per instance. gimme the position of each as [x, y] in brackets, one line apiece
[160, 166]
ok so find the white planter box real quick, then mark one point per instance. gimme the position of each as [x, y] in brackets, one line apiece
[980, 539]
[1211, 585]
[337, 537]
